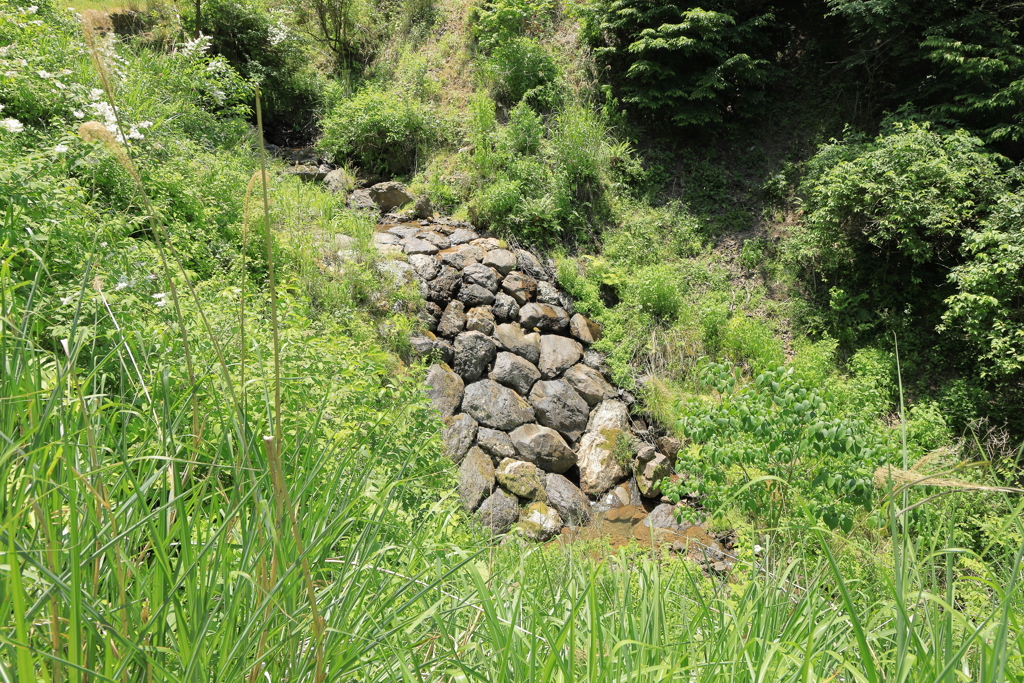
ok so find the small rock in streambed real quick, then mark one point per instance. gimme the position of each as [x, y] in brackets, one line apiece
[539, 522]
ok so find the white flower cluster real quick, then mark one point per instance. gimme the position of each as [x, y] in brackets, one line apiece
[106, 111]
[11, 125]
[195, 47]
[46, 75]
[278, 33]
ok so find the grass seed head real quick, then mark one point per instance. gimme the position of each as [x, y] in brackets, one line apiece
[96, 26]
[94, 131]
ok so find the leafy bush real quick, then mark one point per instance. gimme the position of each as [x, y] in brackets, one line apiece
[542, 184]
[960, 62]
[522, 70]
[773, 444]
[383, 131]
[747, 339]
[656, 291]
[988, 306]
[886, 219]
[496, 22]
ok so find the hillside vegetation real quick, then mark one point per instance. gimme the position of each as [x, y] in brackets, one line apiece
[800, 227]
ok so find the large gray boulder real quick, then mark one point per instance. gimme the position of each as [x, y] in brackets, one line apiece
[596, 360]
[542, 446]
[414, 245]
[557, 354]
[502, 260]
[475, 295]
[338, 181]
[476, 479]
[519, 286]
[445, 351]
[547, 293]
[598, 454]
[545, 318]
[456, 258]
[386, 238]
[426, 266]
[584, 330]
[495, 406]
[362, 201]
[403, 273]
[499, 512]
[429, 316]
[495, 443]
[514, 340]
[487, 243]
[531, 265]
[515, 372]
[663, 517]
[446, 389]
[669, 446]
[610, 414]
[459, 432]
[474, 351]
[403, 231]
[435, 238]
[479, 274]
[539, 522]
[506, 309]
[389, 196]
[421, 345]
[463, 236]
[445, 286]
[480, 319]
[559, 407]
[589, 384]
[453, 320]
[564, 496]
[600, 468]
[524, 479]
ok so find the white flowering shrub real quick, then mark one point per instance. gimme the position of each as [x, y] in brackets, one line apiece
[255, 41]
[40, 74]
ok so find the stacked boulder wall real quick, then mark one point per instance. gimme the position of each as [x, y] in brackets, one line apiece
[531, 416]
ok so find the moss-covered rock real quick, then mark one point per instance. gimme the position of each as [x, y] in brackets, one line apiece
[521, 478]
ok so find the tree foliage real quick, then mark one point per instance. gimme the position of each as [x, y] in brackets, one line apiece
[961, 62]
[683, 63]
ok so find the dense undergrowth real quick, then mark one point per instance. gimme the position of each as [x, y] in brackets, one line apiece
[160, 523]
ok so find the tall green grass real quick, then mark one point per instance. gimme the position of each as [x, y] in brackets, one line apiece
[148, 533]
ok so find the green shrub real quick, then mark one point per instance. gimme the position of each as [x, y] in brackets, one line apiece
[927, 429]
[522, 70]
[752, 253]
[498, 21]
[656, 290]
[988, 306]
[542, 185]
[382, 131]
[873, 380]
[750, 340]
[778, 428]
[524, 133]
